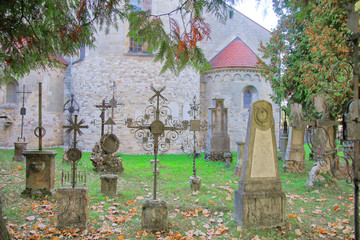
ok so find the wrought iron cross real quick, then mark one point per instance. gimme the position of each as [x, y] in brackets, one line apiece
[103, 107]
[71, 105]
[113, 105]
[143, 128]
[74, 154]
[195, 126]
[23, 112]
[40, 131]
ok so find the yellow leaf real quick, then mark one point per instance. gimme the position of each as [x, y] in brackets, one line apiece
[320, 230]
[19, 167]
[228, 198]
[239, 229]
[193, 223]
[120, 237]
[298, 232]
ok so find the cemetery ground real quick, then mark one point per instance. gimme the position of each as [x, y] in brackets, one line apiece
[321, 212]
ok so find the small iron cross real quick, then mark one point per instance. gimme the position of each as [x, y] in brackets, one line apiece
[74, 154]
[23, 111]
[113, 105]
[157, 128]
[103, 107]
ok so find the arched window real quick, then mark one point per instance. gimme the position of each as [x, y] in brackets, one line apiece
[11, 95]
[248, 94]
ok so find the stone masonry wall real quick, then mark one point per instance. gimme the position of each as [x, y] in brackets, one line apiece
[52, 105]
[229, 84]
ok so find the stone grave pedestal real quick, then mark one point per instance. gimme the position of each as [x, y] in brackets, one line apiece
[218, 141]
[72, 208]
[109, 184]
[154, 215]
[239, 159]
[195, 183]
[260, 201]
[20, 148]
[40, 172]
[294, 161]
[283, 145]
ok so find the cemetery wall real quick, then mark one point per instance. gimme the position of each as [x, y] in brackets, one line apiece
[52, 106]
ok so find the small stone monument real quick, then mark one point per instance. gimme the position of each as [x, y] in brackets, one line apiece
[218, 142]
[156, 129]
[294, 161]
[40, 165]
[21, 144]
[240, 157]
[72, 202]
[109, 184]
[260, 201]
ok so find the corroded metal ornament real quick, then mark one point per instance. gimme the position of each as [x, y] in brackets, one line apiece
[109, 143]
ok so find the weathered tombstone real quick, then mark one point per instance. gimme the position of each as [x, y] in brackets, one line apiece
[109, 184]
[21, 144]
[218, 142]
[72, 202]
[283, 140]
[294, 161]
[156, 131]
[260, 201]
[40, 165]
[240, 157]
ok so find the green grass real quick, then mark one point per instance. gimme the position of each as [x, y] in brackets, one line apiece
[208, 213]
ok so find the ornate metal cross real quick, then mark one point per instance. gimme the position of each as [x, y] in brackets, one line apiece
[113, 105]
[153, 134]
[22, 112]
[195, 126]
[103, 107]
[71, 105]
[40, 131]
[74, 154]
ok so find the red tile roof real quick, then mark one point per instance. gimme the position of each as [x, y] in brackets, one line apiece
[236, 54]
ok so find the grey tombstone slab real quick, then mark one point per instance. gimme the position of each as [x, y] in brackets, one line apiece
[294, 161]
[240, 157]
[218, 142]
[260, 201]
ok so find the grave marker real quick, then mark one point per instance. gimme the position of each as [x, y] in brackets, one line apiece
[260, 201]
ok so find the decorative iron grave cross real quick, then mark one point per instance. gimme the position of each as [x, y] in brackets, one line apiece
[22, 112]
[71, 105]
[74, 154]
[195, 126]
[40, 131]
[103, 107]
[113, 104]
[153, 134]
[343, 75]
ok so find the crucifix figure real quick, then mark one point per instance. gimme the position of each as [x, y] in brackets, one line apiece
[103, 107]
[74, 154]
[22, 112]
[153, 134]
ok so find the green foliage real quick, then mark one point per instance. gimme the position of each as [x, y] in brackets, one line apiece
[35, 32]
[308, 41]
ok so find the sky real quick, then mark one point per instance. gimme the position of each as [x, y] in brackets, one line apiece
[262, 12]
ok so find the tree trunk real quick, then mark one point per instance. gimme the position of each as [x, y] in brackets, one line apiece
[4, 234]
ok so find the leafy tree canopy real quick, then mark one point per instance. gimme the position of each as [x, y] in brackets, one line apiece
[309, 39]
[34, 32]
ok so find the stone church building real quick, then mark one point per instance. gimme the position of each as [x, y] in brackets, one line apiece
[122, 68]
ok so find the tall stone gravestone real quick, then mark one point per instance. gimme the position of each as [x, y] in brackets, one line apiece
[260, 201]
[294, 161]
[218, 142]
